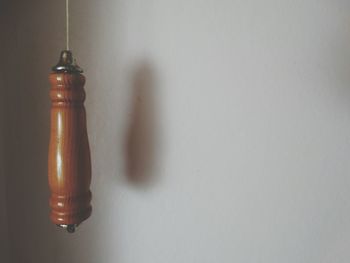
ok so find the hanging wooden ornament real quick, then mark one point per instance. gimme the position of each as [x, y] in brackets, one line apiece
[69, 164]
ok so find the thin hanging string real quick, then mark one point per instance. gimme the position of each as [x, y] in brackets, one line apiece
[67, 24]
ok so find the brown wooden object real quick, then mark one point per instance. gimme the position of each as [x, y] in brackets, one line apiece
[69, 164]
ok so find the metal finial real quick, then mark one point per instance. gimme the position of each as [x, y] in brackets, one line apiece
[69, 228]
[67, 63]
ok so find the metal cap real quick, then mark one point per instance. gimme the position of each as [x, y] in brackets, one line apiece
[70, 228]
[67, 63]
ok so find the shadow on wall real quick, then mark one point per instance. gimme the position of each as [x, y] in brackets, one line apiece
[141, 136]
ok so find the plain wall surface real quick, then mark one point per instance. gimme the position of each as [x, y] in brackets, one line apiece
[4, 238]
[4, 234]
[219, 130]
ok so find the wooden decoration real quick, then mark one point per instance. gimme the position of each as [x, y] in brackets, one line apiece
[69, 164]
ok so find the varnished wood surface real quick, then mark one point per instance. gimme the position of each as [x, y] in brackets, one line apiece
[69, 165]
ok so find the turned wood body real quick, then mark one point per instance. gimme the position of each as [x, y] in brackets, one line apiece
[69, 164]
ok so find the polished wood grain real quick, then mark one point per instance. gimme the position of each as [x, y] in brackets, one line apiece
[69, 154]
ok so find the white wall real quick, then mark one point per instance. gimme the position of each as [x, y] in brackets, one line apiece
[219, 130]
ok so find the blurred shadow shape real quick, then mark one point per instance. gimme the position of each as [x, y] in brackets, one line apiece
[141, 133]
